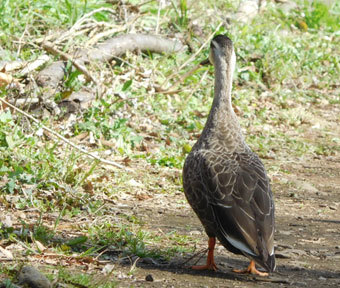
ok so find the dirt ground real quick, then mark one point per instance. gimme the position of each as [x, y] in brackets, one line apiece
[307, 236]
[307, 201]
[307, 197]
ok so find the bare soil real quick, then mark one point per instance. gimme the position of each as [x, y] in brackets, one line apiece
[307, 197]
[307, 236]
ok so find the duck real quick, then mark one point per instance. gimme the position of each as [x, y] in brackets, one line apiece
[225, 182]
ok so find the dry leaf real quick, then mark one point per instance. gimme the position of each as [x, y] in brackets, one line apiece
[142, 197]
[88, 187]
[40, 246]
[7, 222]
[5, 79]
[4, 253]
[134, 183]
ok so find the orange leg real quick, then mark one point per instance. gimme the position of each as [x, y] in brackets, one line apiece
[210, 259]
[251, 270]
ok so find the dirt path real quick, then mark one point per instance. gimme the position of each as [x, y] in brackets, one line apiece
[307, 197]
[307, 235]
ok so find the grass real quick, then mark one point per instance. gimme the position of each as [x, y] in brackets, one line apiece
[287, 68]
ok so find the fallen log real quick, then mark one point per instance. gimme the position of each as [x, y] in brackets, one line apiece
[118, 46]
[106, 51]
[50, 77]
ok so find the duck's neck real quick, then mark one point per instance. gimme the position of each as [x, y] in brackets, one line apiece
[223, 86]
[222, 127]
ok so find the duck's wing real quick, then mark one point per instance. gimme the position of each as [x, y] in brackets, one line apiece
[241, 199]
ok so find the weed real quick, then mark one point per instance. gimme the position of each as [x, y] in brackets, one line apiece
[287, 68]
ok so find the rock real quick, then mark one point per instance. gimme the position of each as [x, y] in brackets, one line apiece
[195, 232]
[149, 278]
[298, 252]
[31, 277]
[149, 260]
[108, 268]
[284, 246]
[306, 186]
[287, 6]
[247, 10]
[298, 265]
[283, 255]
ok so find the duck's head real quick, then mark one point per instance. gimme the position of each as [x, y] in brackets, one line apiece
[222, 52]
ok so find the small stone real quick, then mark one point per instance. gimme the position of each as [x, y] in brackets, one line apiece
[322, 205]
[282, 255]
[285, 232]
[332, 207]
[149, 278]
[285, 246]
[33, 278]
[149, 260]
[108, 268]
[306, 186]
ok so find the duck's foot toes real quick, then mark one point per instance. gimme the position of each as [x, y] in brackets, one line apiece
[211, 266]
[254, 272]
[251, 270]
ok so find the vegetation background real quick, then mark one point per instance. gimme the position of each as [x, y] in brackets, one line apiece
[74, 216]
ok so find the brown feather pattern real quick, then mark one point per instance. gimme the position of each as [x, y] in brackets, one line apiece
[224, 181]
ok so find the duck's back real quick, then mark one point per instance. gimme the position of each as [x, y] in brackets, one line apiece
[231, 195]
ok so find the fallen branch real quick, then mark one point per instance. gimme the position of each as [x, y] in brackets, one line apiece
[9, 66]
[118, 46]
[49, 48]
[24, 101]
[103, 52]
[35, 64]
[51, 75]
[106, 51]
[56, 134]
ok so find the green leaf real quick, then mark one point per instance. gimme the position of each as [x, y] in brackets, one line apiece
[10, 186]
[5, 117]
[127, 85]
[10, 141]
[186, 148]
[77, 241]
